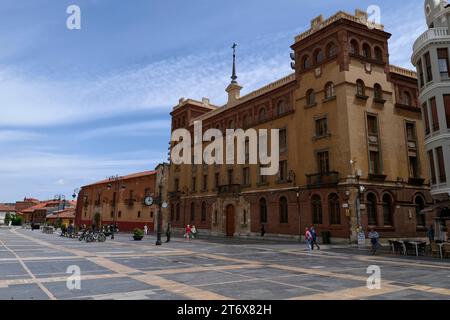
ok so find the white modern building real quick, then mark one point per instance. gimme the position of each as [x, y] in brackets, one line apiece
[431, 58]
[4, 210]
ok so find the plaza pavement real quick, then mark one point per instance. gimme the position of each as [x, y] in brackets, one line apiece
[33, 266]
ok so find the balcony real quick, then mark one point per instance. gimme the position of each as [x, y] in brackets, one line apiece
[430, 35]
[416, 181]
[318, 180]
[229, 190]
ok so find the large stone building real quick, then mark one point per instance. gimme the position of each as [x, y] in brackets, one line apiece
[118, 200]
[431, 58]
[350, 128]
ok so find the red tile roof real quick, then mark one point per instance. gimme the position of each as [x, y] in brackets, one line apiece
[6, 208]
[127, 177]
[42, 205]
[63, 214]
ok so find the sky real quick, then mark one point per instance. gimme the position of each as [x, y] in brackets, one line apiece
[77, 106]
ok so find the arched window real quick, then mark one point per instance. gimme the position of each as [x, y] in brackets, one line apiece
[245, 121]
[387, 210]
[284, 210]
[316, 207]
[406, 98]
[262, 114]
[378, 54]
[366, 51]
[263, 210]
[203, 211]
[334, 209]
[318, 56]
[360, 88]
[331, 50]
[192, 212]
[329, 90]
[354, 47]
[281, 107]
[372, 209]
[420, 205]
[230, 124]
[178, 212]
[377, 91]
[306, 62]
[310, 97]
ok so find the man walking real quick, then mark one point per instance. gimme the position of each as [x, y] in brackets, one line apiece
[314, 238]
[374, 240]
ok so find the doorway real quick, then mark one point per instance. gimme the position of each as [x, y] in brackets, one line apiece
[230, 225]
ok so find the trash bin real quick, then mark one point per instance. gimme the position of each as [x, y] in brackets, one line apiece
[326, 237]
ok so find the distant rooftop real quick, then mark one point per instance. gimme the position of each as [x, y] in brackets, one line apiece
[127, 177]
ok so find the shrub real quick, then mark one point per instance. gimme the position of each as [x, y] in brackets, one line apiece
[17, 221]
[138, 232]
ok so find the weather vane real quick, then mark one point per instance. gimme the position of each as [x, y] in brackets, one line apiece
[234, 76]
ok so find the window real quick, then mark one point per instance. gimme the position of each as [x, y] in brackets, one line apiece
[178, 212]
[441, 165]
[420, 218]
[426, 118]
[231, 124]
[318, 56]
[443, 62]
[139, 214]
[262, 178]
[281, 107]
[377, 92]
[372, 125]
[334, 209]
[192, 212]
[331, 50]
[375, 165]
[411, 131]
[447, 109]
[354, 47]
[230, 176]
[420, 71]
[263, 210]
[366, 51]
[413, 167]
[378, 55]
[172, 212]
[246, 176]
[329, 90]
[316, 207]
[434, 114]
[323, 163]
[432, 167]
[245, 121]
[387, 210]
[360, 88]
[282, 173]
[306, 63]
[205, 182]
[203, 212]
[120, 214]
[194, 182]
[372, 209]
[262, 114]
[247, 150]
[406, 98]
[310, 97]
[284, 215]
[216, 179]
[428, 67]
[321, 127]
[283, 140]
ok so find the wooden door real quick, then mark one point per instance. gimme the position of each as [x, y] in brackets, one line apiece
[230, 228]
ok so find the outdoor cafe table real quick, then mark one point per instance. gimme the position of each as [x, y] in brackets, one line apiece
[440, 248]
[416, 244]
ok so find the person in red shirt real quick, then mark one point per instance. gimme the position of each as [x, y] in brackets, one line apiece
[188, 232]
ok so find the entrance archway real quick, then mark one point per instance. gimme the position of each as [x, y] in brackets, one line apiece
[230, 223]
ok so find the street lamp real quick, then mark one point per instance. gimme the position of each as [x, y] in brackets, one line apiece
[116, 182]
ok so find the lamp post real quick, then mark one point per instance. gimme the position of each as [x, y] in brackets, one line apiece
[116, 182]
[159, 227]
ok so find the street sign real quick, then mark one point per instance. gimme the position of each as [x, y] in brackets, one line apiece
[165, 205]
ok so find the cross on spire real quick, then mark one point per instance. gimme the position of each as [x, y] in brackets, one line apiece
[234, 76]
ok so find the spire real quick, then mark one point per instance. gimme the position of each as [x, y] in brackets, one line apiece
[234, 76]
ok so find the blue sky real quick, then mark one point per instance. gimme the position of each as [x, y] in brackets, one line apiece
[78, 106]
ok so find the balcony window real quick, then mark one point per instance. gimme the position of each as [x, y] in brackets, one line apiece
[262, 178]
[262, 114]
[413, 167]
[377, 92]
[246, 176]
[321, 127]
[354, 47]
[378, 55]
[441, 165]
[318, 56]
[316, 208]
[432, 167]
[329, 90]
[360, 88]
[310, 97]
[331, 50]
[283, 140]
[372, 125]
[284, 214]
[443, 62]
[411, 131]
[367, 52]
[406, 98]
[323, 163]
[282, 173]
[281, 107]
[428, 67]
[375, 163]
[434, 114]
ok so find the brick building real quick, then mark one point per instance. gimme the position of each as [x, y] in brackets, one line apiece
[347, 119]
[118, 200]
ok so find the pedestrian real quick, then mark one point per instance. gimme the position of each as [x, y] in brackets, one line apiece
[308, 239]
[188, 232]
[431, 233]
[374, 240]
[313, 238]
[194, 232]
[263, 231]
[168, 231]
[145, 230]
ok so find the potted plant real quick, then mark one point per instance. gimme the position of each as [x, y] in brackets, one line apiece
[138, 234]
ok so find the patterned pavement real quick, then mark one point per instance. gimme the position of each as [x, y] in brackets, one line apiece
[33, 266]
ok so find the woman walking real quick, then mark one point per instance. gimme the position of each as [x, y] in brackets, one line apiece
[188, 232]
[308, 239]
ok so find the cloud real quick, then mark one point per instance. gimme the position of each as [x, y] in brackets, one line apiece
[19, 135]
